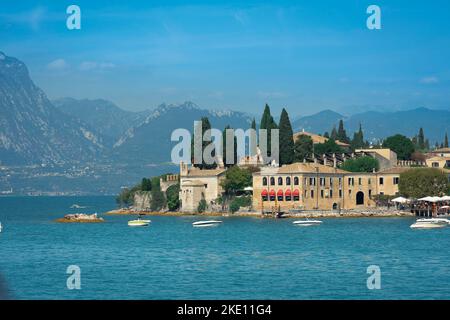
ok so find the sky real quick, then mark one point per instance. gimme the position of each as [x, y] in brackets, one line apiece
[305, 56]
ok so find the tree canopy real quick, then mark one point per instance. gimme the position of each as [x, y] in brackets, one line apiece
[400, 145]
[422, 182]
[330, 146]
[236, 179]
[362, 164]
[303, 148]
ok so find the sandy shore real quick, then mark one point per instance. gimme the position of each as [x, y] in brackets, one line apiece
[305, 214]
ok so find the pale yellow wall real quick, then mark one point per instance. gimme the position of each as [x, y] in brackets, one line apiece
[367, 183]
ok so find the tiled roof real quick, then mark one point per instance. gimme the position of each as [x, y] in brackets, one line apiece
[195, 172]
[300, 167]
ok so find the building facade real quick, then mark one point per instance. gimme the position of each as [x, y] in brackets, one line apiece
[312, 186]
[196, 184]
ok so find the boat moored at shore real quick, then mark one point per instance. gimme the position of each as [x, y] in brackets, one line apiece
[307, 223]
[206, 223]
[432, 223]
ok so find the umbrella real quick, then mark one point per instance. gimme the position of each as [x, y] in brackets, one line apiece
[445, 198]
[426, 199]
[400, 200]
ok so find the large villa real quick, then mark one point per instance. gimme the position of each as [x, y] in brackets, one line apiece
[314, 185]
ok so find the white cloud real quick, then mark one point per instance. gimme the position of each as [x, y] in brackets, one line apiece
[58, 64]
[91, 65]
[429, 80]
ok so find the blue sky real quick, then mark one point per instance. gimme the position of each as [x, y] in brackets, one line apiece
[303, 55]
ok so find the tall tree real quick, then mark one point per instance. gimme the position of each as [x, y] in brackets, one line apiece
[268, 123]
[334, 134]
[206, 125]
[341, 133]
[358, 139]
[253, 124]
[224, 150]
[286, 139]
[303, 148]
[421, 139]
[446, 141]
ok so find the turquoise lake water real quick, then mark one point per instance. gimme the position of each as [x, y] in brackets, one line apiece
[244, 258]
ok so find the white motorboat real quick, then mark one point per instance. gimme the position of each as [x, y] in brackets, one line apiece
[206, 223]
[1, 227]
[431, 223]
[139, 222]
[307, 223]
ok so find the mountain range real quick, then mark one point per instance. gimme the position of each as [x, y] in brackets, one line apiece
[379, 125]
[68, 131]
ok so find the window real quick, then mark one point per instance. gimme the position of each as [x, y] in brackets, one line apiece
[296, 181]
[331, 182]
[280, 195]
[280, 181]
[359, 181]
[349, 193]
[381, 180]
[340, 182]
[396, 180]
[331, 193]
[321, 193]
[340, 193]
[322, 181]
[369, 181]
[370, 193]
[272, 181]
[351, 181]
[288, 181]
[264, 181]
[312, 193]
[312, 181]
[435, 164]
[296, 195]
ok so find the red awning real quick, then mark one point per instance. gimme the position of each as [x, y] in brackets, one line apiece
[264, 193]
[296, 192]
[280, 193]
[288, 192]
[272, 193]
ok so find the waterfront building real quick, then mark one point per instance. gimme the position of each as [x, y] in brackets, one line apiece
[197, 184]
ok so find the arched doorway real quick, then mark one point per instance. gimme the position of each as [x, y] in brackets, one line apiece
[335, 206]
[360, 198]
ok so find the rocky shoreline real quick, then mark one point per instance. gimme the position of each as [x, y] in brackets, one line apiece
[376, 213]
[80, 218]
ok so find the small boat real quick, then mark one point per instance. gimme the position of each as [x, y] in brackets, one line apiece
[77, 206]
[307, 223]
[1, 227]
[431, 223]
[139, 222]
[206, 223]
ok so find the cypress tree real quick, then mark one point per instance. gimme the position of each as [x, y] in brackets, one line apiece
[253, 124]
[268, 123]
[421, 139]
[326, 134]
[334, 134]
[358, 139]
[446, 141]
[286, 139]
[341, 133]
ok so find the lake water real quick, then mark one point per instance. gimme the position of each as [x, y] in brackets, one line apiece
[244, 258]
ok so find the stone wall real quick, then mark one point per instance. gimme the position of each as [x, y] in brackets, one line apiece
[142, 200]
